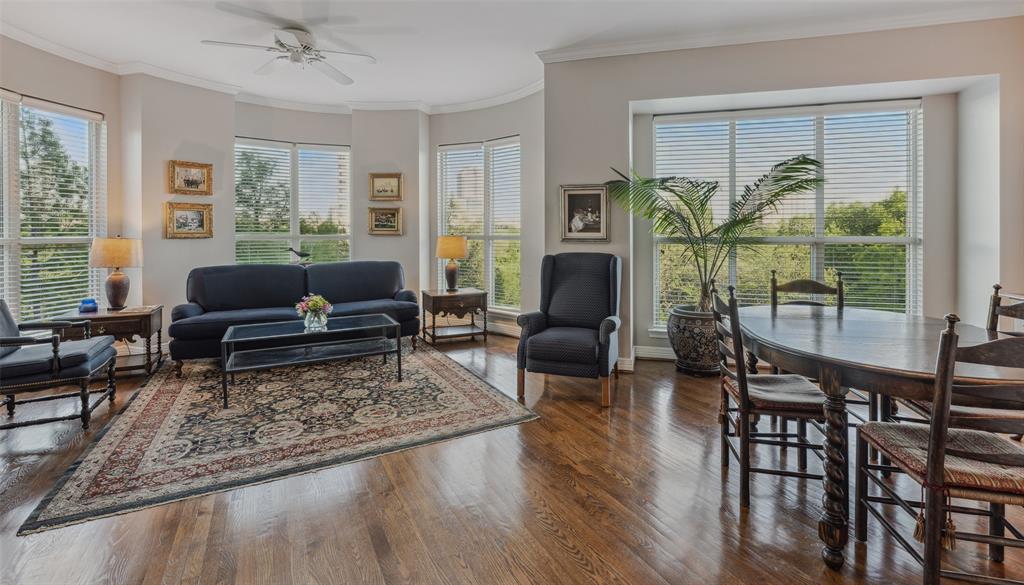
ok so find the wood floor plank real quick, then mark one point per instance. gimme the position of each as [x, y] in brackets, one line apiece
[629, 494]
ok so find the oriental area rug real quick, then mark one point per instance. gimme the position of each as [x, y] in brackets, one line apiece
[174, 441]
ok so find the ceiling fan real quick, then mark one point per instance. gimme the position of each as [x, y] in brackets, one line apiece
[293, 43]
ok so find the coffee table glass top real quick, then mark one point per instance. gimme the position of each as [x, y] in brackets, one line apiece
[295, 328]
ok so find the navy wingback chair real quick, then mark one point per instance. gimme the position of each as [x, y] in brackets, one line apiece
[575, 331]
[30, 364]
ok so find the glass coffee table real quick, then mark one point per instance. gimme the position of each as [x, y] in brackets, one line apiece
[287, 343]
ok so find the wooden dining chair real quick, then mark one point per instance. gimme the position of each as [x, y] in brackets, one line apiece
[957, 454]
[746, 396]
[997, 309]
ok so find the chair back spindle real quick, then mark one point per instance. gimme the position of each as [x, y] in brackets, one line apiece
[730, 341]
[997, 309]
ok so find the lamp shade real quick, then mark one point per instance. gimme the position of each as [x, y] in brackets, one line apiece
[451, 246]
[115, 253]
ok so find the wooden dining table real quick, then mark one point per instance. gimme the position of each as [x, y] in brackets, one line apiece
[891, 354]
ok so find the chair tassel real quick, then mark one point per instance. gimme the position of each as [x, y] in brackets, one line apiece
[949, 530]
[919, 523]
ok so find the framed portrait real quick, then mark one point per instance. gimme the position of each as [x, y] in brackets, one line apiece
[386, 186]
[584, 213]
[188, 220]
[385, 221]
[189, 178]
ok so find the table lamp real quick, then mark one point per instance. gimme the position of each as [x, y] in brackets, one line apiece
[116, 253]
[451, 247]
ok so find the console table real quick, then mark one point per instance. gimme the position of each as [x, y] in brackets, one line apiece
[462, 302]
[125, 325]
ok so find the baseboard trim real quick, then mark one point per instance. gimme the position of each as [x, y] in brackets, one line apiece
[653, 352]
[626, 364]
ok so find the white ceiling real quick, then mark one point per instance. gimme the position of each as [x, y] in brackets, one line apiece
[438, 55]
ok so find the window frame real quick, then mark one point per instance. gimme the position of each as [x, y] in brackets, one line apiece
[913, 241]
[12, 242]
[293, 237]
[488, 237]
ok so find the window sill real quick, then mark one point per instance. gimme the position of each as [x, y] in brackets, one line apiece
[656, 332]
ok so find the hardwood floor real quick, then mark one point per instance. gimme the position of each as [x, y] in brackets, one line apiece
[630, 494]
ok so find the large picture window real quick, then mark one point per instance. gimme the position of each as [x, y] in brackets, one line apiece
[865, 220]
[53, 176]
[291, 196]
[479, 197]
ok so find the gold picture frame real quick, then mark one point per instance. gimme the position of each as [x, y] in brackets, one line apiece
[189, 178]
[584, 213]
[188, 220]
[386, 187]
[385, 221]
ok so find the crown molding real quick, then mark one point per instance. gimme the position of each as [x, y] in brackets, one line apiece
[259, 100]
[136, 67]
[23, 36]
[490, 102]
[386, 106]
[800, 31]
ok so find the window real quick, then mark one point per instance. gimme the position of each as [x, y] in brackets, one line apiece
[479, 195]
[53, 177]
[291, 196]
[865, 221]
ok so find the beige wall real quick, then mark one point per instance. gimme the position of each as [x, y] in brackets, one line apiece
[524, 117]
[587, 110]
[255, 121]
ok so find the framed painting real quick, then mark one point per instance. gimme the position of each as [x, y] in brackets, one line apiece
[584, 213]
[188, 220]
[386, 186]
[385, 221]
[189, 178]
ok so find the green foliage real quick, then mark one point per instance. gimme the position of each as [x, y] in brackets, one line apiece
[681, 208]
[262, 200]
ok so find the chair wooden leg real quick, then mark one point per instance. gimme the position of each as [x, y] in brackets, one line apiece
[615, 371]
[83, 392]
[520, 383]
[178, 364]
[801, 431]
[996, 523]
[744, 459]
[414, 343]
[873, 415]
[783, 427]
[861, 493]
[933, 521]
[606, 392]
[723, 420]
[9, 403]
[884, 415]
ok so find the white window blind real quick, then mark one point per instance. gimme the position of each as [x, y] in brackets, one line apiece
[865, 221]
[479, 187]
[291, 195]
[53, 203]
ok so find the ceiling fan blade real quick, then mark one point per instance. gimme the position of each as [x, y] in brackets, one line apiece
[268, 67]
[256, 14]
[239, 45]
[287, 37]
[351, 56]
[328, 70]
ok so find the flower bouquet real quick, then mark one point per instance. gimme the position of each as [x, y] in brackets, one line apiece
[314, 309]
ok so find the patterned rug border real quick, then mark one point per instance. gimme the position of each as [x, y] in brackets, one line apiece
[33, 526]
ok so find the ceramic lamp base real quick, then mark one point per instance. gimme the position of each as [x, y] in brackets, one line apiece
[117, 286]
[451, 275]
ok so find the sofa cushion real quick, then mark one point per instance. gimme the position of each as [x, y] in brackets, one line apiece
[246, 286]
[564, 344]
[38, 359]
[213, 324]
[363, 280]
[398, 310]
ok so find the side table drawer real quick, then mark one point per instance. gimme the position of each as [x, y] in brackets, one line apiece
[116, 328]
[458, 306]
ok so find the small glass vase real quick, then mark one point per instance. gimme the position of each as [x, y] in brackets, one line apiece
[315, 322]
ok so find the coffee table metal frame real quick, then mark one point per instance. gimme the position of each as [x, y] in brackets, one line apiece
[293, 345]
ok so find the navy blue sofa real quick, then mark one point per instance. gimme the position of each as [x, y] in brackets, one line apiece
[222, 296]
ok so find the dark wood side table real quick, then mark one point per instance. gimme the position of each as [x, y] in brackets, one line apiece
[464, 301]
[125, 325]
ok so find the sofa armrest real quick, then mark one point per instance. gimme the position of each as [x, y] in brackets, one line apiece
[608, 326]
[406, 295]
[185, 311]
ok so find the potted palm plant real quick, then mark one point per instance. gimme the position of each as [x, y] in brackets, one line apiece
[681, 208]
